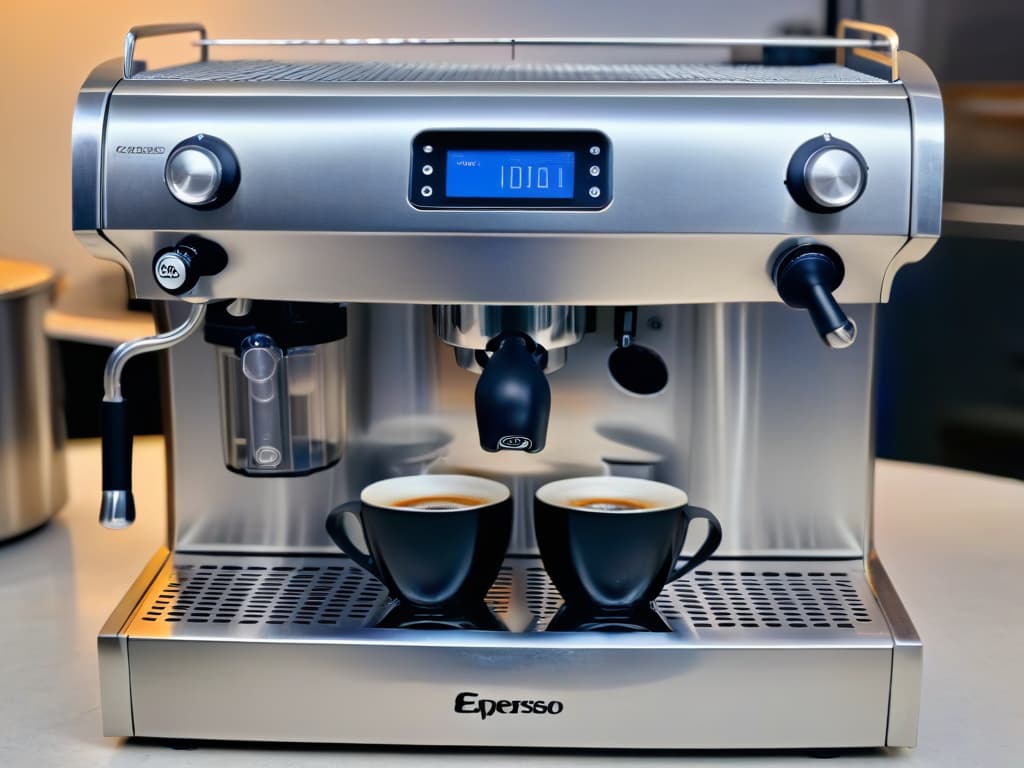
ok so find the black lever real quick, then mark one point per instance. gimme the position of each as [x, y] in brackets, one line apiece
[805, 277]
[625, 326]
[117, 508]
[513, 397]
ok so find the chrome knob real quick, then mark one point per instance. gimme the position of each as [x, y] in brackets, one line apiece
[826, 175]
[201, 172]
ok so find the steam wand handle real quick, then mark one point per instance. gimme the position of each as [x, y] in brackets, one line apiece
[117, 509]
[805, 278]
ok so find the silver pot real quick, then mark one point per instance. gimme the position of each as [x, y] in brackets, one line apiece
[33, 485]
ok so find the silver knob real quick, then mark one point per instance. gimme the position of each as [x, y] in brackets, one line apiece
[202, 172]
[193, 175]
[834, 177]
[826, 174]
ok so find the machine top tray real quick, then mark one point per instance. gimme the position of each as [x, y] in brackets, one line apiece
[253, 71]
[332, 599]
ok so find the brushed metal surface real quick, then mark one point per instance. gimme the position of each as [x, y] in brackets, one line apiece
[346, 682]
[592, 269]
[112, 650]
[927, 164]
[345, 165]
[907, 659]
[87, 146]
[747, 426]
[472, 326]
[33, 484]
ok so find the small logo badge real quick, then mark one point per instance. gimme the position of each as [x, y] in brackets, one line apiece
[134, 149]
[169, 271]
[515, 443]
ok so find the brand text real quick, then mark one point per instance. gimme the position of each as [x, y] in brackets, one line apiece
[130, 149]
[470, 703]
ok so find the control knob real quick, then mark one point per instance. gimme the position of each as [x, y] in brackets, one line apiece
[178, 269]
[202, 172]
[826, 175]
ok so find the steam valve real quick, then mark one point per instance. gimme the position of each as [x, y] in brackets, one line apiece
[177, 270]
[805, 278]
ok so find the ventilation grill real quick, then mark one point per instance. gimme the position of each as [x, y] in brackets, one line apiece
[499, 598]
[542, 599]
[773, 599]
[253, 594]
[351, 72]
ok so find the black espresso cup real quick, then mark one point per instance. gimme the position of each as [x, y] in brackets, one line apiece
[433, 540]
[611, 544]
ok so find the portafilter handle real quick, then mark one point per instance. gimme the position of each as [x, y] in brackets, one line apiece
[513, 397]
[117, 509]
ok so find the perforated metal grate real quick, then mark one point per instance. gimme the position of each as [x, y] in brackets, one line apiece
[771, 599]
[257, 594]
[500, 595]
[335, 592]
[354, 71]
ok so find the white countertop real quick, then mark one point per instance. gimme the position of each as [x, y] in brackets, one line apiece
[952, 542]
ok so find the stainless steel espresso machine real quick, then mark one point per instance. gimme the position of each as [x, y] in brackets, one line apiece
[524, 271]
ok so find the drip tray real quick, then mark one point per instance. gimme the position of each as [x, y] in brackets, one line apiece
[740, 654]
[201, 595]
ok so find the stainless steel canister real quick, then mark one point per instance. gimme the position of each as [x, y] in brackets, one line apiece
[33, 484]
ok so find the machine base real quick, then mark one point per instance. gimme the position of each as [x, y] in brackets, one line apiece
[759, 654]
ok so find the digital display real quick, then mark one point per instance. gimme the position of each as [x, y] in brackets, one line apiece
[501, 173]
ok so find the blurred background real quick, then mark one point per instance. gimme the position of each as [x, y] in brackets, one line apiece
[951, 352]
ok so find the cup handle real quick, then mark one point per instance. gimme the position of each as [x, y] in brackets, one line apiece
[707, 549]
[336, 530]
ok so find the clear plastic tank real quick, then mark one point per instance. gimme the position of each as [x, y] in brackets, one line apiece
[281, 408]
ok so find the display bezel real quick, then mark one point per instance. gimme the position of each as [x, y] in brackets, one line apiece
[579, 143]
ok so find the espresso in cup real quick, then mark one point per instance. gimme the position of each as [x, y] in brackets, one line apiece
[440, 503]
[603, 504]
[435, 541]
[611, 544]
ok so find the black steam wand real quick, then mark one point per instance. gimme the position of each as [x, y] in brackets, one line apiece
[117, 509]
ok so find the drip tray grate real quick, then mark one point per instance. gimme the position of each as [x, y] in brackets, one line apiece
[332, 594]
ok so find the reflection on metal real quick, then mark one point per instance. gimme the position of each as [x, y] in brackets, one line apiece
[739, 632]
[158, 30]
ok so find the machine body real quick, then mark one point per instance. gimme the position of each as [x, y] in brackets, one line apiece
[500, 237]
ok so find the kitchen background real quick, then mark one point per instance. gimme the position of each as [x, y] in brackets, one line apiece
[951, 352]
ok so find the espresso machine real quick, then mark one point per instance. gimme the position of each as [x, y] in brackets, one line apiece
[524, 270]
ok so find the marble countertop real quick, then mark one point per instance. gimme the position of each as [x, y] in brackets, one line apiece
[952, 542]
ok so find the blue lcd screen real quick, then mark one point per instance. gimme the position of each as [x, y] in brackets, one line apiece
[492, 173]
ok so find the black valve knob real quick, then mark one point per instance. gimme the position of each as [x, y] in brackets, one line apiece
[805, 278]
[202, 172]
[513, 397]
[178, 269]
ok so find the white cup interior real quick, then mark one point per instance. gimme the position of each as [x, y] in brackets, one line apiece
[652, 494]
[388, 493]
